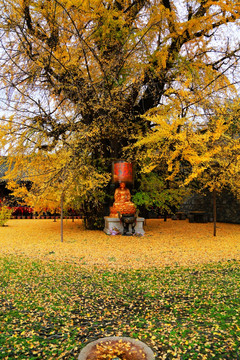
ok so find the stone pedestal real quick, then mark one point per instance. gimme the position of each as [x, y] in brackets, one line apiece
[124, 347]
[115, 223]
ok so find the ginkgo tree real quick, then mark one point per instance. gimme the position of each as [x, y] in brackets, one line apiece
[86, 71]
[56, 182]
[158, 195]
[208, 153]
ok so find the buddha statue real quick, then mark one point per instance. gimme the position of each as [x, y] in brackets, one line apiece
[122, 203]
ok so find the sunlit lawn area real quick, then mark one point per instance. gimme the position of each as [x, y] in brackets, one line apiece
[177, 289]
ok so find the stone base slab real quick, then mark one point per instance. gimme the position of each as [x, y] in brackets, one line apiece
[112, 223]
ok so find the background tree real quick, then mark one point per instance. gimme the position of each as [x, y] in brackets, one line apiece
[157, 195]
[55, 181]
[208, 154]
[84, 72]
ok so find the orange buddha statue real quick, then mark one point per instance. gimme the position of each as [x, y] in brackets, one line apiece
[122, 203]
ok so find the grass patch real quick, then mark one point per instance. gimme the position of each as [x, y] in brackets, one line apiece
[51, 310]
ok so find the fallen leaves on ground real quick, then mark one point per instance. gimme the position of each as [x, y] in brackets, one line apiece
[164, 243]
[176, 289]
[50, 310]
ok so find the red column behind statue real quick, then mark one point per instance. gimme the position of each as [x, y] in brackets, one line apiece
[122, 173]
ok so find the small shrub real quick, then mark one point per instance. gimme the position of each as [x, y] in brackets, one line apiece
[5, 215]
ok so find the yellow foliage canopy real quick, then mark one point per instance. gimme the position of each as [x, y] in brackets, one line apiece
[78, 76]
[209, 152]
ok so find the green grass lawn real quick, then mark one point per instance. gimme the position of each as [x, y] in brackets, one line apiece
[51, 310]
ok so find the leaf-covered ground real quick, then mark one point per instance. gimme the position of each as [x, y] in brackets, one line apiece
[165, 243]
[51, 310]
[56, 297]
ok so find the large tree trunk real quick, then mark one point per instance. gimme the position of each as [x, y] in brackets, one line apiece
[93, 214]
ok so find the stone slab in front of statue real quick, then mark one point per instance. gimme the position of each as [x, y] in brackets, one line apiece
[112, 223]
